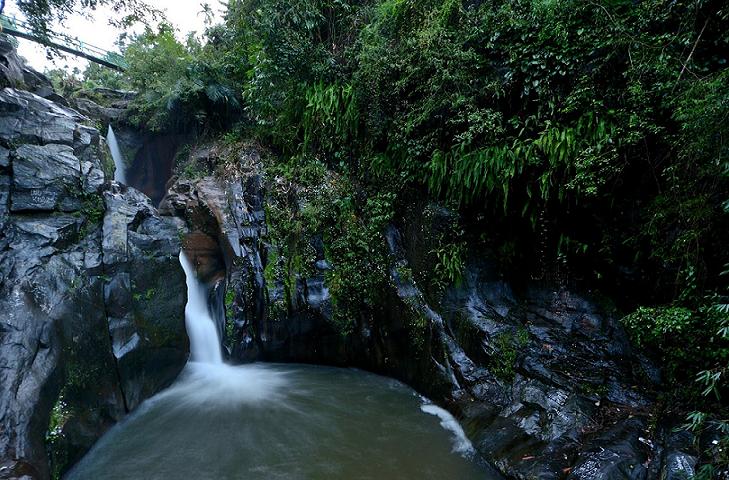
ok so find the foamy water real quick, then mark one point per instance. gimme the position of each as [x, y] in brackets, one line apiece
[461, 443]
[221, 385]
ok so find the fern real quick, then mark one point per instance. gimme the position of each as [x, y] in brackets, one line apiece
[465, 176]
[330, 118]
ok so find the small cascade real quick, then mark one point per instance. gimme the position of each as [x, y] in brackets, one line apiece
[119, 173]
[204, 341]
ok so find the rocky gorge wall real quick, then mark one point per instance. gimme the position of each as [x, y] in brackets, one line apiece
[541, 376]
[91, 290]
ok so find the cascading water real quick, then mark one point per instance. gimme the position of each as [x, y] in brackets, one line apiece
[267, 421]
[119, 173]
[204, 341]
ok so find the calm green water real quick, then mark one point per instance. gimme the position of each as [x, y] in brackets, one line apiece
[267, 421]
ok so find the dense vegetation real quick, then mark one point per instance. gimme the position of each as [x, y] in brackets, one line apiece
[576, 140]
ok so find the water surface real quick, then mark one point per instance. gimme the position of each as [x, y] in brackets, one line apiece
[270, 421]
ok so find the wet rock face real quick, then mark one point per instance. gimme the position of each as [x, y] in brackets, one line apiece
[11, 69]
[91, 291]
[149, 156]
[202, 205]
[226, 223]
[143, 294]
[549, 365]
[542, 378]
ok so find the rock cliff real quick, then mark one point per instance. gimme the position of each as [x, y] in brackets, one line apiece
[91, 291]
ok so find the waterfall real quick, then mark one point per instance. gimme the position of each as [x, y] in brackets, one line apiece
[119, 174]
[204, 340]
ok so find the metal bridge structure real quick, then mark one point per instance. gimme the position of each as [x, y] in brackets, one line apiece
[65, 43]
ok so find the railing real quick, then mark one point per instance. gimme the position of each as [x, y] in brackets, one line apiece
[22, 29]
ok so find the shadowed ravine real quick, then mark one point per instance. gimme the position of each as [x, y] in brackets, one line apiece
[279, 421]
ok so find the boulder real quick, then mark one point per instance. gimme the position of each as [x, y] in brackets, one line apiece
[11, 66]
[142, 296]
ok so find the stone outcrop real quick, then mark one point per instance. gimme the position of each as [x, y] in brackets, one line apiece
[91, 290]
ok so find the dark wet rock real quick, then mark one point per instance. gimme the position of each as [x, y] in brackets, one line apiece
[203, 205]
[46, 178]
[567, 364]
[91, 290]
[617, 453]
[43, 293]
[678, 459]
[142, 297]
[11, 66]
[28, 118]
[91, 109]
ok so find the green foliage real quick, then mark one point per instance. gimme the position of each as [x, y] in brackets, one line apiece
[684, 339]
[229, 299]
[330, 118]
[59, 415]
[306, 204]
[450, 264]
[93, 209]
[355, 246]
[573, 159]
[54, 436]
[229, 315]
[96, 75]
[182, 86]
[300, 54]
[511, 108]
[713, 381]
[653, 326]
[64, 82]
[506, 352]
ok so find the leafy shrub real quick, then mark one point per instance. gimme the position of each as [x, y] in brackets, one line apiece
[653, 326]
[182, 87]
[330, 118]
[685, 340]
[450, 264]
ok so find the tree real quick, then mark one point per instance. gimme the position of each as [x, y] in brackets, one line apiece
[40, 14]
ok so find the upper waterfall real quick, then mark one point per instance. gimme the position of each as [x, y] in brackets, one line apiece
[119, 173]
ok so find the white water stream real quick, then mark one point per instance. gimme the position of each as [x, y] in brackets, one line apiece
[119, 167]
[204, 341]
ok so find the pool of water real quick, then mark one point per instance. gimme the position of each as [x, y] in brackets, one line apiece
[272, 421]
